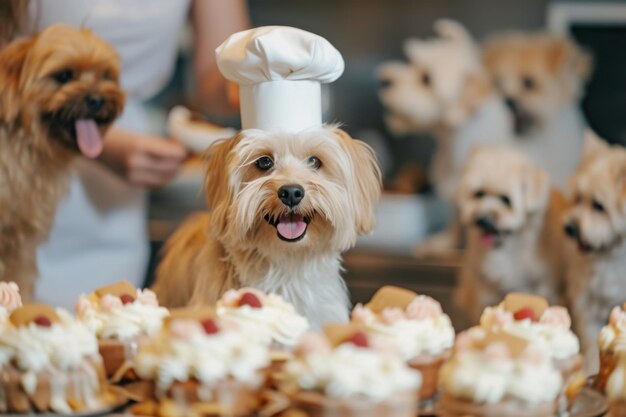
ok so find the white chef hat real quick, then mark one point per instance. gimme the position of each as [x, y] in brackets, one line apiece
[279, 70]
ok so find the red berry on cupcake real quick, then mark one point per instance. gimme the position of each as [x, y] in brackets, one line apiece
[249, 299]
[42, 321]
[210, 327]
[525, 313]
[127, 299]
[359, 339]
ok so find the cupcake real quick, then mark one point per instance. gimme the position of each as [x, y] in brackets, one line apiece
[532, 318]
[611, 343]
[412, 325]
[498, 374]
[200, 362]
[274, 321]
[50, 363]
[122, 317]
[339, 373]
[616, 388]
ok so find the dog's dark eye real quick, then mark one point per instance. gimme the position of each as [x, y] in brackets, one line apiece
[506, 200]
[578, 199]
[108, 75]
[597, 206]
[315, 162]
[386, 83]
[479, 194]
[425, 79]
[63, 76]
[264, 163]
[529, 83]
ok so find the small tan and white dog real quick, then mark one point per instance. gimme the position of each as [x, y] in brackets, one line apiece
[283, 208]
[542, 78]
[444, 91]
[514, 236]
[596, 225]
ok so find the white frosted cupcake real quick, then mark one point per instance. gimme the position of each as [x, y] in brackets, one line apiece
[612, 344]
[616, 387]
[199, 361]
[122, 317]
[412, 325]
[531, 317]
[269, 316]
[498, 374]
[340, 373]
[49, 362]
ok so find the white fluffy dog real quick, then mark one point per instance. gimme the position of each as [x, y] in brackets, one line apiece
[514, 236]
[283, 209]
[596, 224]
[541, 78]
[445, 91]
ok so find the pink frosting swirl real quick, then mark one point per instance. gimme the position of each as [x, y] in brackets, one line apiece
[10, 297]
[185, 329]
[110, 302]
[423, 308]
[363, 315]
[312, 343]
[556, 316]
[147, 297]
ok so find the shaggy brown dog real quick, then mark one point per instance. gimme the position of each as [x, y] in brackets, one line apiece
[60, 93]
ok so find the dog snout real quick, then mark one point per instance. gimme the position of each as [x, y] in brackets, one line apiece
[485, 223]
[571, 230]
[94, 102]
[511, 104]
[291, 195]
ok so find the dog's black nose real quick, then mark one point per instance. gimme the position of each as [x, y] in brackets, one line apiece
[485, 223]
[291, 195]
[511, 103]
[571, 229]
[94, 103]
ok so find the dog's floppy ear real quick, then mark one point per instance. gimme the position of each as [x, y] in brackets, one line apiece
[536, 189]
[12, 59]
[367, 180]
[453, 30]
[565, 55]
[219, 194]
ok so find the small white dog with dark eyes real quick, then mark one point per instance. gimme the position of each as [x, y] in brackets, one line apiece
[514, 236]
[444, 90]
[596, 226]
[284, 208]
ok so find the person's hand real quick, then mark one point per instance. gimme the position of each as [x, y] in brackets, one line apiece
[142, 160]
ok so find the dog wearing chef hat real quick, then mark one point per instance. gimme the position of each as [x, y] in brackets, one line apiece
[287, 195]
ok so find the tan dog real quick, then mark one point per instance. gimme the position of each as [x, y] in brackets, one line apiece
[596, 225]
[541, 78]
[514, 235]
[283, 208]
[60, 93]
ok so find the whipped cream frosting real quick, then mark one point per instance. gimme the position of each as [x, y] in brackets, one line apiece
[348, 371]
[275, 321]
[10, 299]
[613, 335]
[421, 329]
[616, 384]
[492, 374]
[552, 331]
[185, 351]
[110, 318]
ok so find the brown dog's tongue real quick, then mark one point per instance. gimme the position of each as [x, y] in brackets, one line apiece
[88, 138]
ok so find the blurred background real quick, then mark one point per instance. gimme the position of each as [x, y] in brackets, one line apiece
[369, 32]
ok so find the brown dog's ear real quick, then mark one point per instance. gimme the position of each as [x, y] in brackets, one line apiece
[217, 189]
[368, 180]
[12, 59]
[536, 189]
[565, 55]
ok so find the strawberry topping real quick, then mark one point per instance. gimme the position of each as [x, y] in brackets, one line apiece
[249, 299]
[359, 339]
[210, 327]
[42, 321]
[127, 299]
[525, 313]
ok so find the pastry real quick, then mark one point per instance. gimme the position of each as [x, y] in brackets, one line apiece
[339, 373]
[494, 374]
[122, 318]
[414, 326]
[200, 362]
[49, 362]
[611, 343]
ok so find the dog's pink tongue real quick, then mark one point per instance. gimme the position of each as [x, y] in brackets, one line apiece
[487, 239]
[88, 138]
[291, 226]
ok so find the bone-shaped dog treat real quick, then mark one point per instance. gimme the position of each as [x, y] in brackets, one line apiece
[118, 289]
[41, 314]
[389, 297]
[515, 301]
[338, 333]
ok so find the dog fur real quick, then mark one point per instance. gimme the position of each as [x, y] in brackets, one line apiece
[596, 225]
[237, 243]
[541, 78]
[36, 144]
[514, 233]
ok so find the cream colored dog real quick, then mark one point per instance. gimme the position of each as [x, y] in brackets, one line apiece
[596, 225]
[541, 78]
[514, 236]
[444, 91]
[283, 209]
